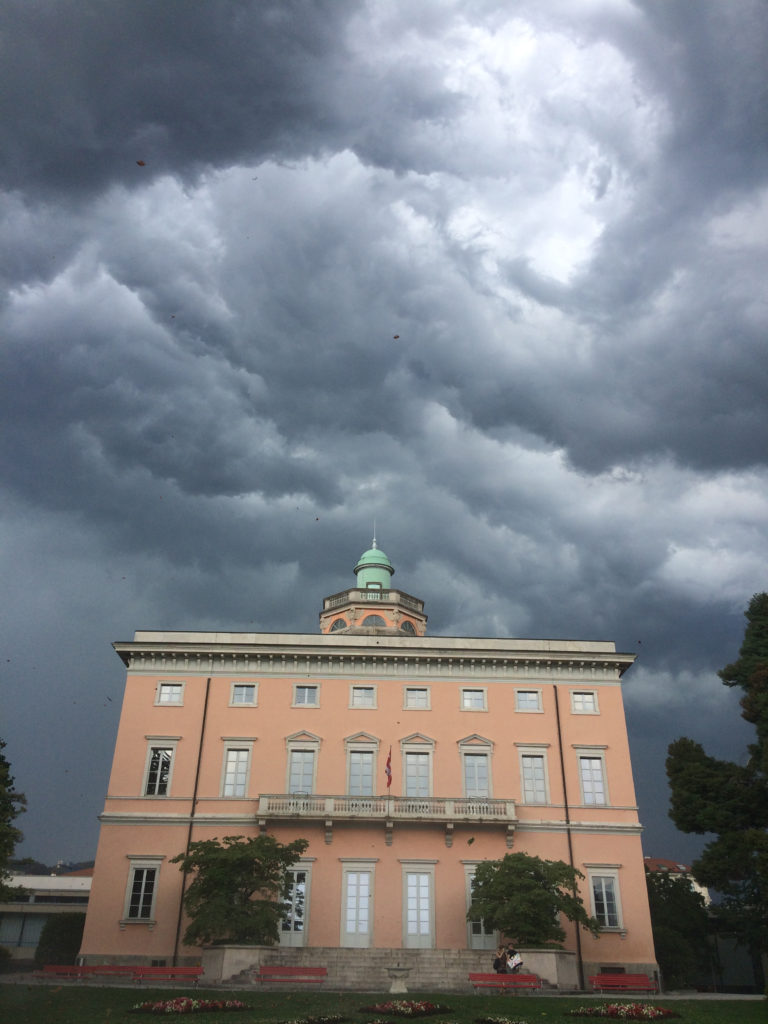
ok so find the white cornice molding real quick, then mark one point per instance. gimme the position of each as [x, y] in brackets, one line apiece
[423, 658]
[247, 821]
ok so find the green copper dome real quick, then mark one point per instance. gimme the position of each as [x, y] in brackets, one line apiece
[373, 569]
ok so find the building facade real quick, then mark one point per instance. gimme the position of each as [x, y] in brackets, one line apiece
[23, 916]
[405, 760]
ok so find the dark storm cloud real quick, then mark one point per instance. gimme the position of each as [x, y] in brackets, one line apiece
[101, 93]
[491, 277]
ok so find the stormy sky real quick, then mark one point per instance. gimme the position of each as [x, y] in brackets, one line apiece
[491, 273]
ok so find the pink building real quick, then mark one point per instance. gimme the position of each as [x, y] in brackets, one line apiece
[496, 745]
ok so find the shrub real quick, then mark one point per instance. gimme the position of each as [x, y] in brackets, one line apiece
[60, 940]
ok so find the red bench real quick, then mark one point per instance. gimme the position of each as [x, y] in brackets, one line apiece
[291, 975]
[506, 982]
[623, 983]
[136, 972]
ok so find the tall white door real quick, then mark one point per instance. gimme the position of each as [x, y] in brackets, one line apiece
[418, 910]
[358, 896]
[293, 927]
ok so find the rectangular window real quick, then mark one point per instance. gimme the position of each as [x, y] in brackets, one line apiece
[605, 904]
[236, 765]
[473, 700]
[584, 702]
[361, 772]
[243, 694]
[305, 696]
[417, 780]
[362, 697]
[141, 894]
[534, 778]
[302, 771]
[476, 775]
[170, 693]
[528, 700]
[592, 774]
[158, 771]
[416, 697]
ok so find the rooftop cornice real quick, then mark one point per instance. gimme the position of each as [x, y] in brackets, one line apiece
[331, 654]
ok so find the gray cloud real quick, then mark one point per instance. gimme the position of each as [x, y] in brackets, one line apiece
[492, 278]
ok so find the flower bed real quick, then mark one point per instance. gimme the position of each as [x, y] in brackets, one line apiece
[624, 1011]
[497, 1020]
[326, 1018]
[183, 1004]
[406, 1008]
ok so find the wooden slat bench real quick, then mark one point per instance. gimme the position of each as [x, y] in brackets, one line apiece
[291, 975]
[81, 971]
[141, 973]
[136, 972]
[506, 982]
[623, 983]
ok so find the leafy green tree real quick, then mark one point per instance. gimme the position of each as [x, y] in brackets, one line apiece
[522, 897]
[680, 926]
[11, 806]
[730, 801]
[60, 939]
[239, 887]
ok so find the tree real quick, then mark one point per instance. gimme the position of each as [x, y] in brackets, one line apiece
[521, 897]
[730, 801]
[12, 804]
[680, 926]
[239, 887]
[60, 939]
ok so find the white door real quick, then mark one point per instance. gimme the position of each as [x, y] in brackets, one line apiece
[358, 896]
[418, 910]
[293, 927]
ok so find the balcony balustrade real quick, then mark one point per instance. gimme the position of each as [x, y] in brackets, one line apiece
[382, 808]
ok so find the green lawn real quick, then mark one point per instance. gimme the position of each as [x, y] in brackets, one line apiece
[78, 1004]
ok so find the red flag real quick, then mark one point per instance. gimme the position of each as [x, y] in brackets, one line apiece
[388, 768]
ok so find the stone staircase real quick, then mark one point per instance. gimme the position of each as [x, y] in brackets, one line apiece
[368, 970]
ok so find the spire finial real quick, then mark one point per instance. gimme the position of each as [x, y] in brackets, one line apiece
[374, 534]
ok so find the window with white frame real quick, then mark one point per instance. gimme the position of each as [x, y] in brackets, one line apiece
[159, 767]
[362, 697]
[418, 773]
[237, 768]
[417, 751]
[169, 693]
[533, 775]
[141, 891]
[475, 752]
[357, 903]
[584, 702]
[473, 699]
[306, 696]
[594, 789]
[528, 700]
[476, 774]
[416, 698]
[243, 695]
[301, 771]
[605, 898]
[361, 772]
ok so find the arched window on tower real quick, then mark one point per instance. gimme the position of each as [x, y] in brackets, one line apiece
[407, 627]
[338, 624]
[373, 620]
